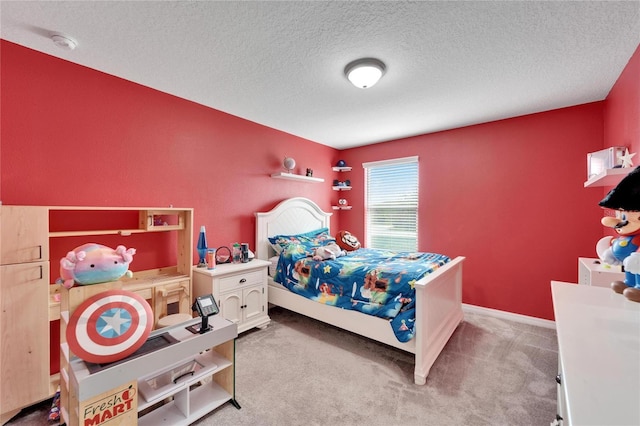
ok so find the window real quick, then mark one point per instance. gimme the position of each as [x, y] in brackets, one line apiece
[391, 204]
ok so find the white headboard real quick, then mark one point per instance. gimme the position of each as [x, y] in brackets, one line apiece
[292, 216]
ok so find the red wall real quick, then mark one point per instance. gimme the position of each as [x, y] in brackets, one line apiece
[75, 136]
[622, 109]
[508, 194]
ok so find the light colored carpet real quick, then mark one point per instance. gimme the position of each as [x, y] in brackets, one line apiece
[299, 371]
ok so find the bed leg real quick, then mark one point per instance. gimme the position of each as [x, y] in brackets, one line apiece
[420, 379]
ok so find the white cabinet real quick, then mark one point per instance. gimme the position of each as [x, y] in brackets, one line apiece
[240, 289]
[594, 273]
[598, 351]
[244, 305]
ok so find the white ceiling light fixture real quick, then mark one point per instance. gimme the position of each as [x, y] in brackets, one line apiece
[365, 72]
[64, 42]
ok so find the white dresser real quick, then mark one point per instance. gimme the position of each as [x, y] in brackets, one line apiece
[598, 356]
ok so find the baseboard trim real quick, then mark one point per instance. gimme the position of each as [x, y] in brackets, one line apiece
[509, 316]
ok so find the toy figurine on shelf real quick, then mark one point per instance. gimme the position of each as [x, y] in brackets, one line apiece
[623, 249]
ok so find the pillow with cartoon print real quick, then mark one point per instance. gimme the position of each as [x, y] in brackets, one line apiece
[312, 239]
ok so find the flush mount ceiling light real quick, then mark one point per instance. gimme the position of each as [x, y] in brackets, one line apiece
[64, 42]
[364, 73]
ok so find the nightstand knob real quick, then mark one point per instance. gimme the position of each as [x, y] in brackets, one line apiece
[243, 280]
[559, 379]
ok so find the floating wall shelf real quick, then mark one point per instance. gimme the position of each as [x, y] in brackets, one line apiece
[610, 177]
[341, 169]
[292, 176]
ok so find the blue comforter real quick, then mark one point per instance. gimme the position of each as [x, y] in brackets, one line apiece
[375, 282]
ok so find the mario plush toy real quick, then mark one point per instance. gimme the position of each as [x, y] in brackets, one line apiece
[625, 198]
[347, 241]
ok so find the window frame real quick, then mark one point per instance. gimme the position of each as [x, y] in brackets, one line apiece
[414, 188]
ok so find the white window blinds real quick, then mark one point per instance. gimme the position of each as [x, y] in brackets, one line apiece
[391, 204]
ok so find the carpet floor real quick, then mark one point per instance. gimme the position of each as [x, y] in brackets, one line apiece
[298, 371]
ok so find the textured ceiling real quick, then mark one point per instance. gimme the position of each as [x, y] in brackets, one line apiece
[280, 64]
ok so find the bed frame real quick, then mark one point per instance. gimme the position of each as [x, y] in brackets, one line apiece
[438, 295]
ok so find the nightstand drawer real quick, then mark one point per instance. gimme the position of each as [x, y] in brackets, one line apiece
[239, 280]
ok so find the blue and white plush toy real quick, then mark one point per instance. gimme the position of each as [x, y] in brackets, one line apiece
[330, 251]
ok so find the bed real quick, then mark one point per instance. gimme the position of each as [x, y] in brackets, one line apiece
[438, 295]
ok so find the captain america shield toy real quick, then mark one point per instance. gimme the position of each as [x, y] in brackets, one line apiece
[109, 326]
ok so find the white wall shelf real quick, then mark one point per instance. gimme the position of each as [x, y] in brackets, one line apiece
[610, 177]
[293, 176]
[344, 186]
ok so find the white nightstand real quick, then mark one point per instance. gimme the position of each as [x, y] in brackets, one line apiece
[240, 289]
[595, 273]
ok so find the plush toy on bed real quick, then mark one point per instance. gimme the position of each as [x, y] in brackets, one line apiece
[330, 251]
[347, 241]
[94, 263]
[625, 248]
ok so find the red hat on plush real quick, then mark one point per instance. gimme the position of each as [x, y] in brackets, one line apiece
[346, 241]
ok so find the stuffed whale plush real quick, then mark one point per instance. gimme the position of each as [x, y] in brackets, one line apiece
[94, 263]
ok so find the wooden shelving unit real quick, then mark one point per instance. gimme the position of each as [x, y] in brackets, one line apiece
[149, 219]
[27, 234]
